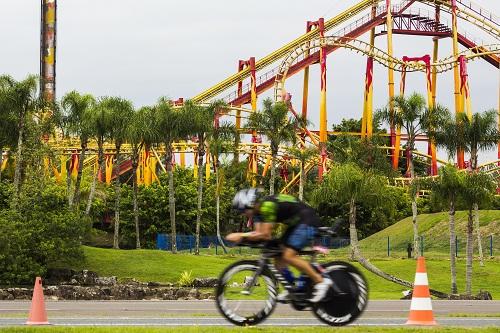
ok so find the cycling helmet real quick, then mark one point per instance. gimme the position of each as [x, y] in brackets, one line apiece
[245, 199]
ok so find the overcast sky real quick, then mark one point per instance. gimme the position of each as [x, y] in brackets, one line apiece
[144, 49]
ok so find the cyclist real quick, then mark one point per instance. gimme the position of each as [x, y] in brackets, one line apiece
[302, 223]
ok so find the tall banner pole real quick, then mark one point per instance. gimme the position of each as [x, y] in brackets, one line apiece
[48, 50]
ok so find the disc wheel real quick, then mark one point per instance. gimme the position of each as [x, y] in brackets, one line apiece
[340, 310]
[240, 303]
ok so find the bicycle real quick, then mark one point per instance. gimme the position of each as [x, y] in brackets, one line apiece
[246, 293]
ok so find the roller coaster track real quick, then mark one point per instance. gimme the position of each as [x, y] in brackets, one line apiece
[491, 168]
[466, 10]
[296, 56]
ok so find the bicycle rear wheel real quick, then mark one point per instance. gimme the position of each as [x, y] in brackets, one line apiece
[238, 301]
[340, 310]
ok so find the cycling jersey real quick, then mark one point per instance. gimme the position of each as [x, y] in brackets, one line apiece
[286, 209]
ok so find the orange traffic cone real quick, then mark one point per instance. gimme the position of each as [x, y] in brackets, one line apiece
[38, 314]
[421, 307]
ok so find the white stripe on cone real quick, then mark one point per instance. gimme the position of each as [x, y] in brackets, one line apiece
[421, 303]
[421, 279]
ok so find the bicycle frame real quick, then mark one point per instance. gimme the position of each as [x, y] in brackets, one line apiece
[266, 261]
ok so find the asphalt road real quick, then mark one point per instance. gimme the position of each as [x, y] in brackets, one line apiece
[186, 313]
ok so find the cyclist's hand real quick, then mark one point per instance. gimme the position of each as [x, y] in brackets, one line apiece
[235, 237]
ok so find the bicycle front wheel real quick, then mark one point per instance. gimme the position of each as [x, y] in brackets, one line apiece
[245, 296]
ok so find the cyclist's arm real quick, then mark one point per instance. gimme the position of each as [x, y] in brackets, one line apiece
[262, 231]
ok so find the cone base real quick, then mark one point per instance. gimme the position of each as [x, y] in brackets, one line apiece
[421, 323]
[37, 323]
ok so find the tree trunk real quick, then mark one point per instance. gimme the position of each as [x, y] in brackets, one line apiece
[1, 162]
[473, 162]
[76, 196]
[301, 181]
[273, 173]
[116, 168]
[200, 199]
[469, 248]
[100, 161]
[217, 210]
[414, 211]
[171, 199]
[19, 162]
[135, 163]
[353, 233]
[367, 264]
[453, 270]
[478, 233]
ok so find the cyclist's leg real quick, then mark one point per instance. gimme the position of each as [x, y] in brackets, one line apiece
[299, 237]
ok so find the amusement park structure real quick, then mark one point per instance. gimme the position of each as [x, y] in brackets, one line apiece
[378, 18]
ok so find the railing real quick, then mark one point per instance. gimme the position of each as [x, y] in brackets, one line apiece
[481, 11]
[342, 32]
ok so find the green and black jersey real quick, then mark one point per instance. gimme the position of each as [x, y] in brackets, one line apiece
[286, 209]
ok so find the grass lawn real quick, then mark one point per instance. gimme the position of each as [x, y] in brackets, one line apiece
[435, 232]
[162, 266]
[241, 329]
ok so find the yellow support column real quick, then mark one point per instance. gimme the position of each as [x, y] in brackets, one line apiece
[395, 136]
[183, 156]
[323, 121]
[456, 74]
[207, 166]
[367, 120]
[435, 56]
[152, 169]
[255, 139]
[195, 165]
[109, 168]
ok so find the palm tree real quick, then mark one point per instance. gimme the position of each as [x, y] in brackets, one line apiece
[22, 99]
[202, 125]
[479, 186]
[173, 125]
[447, 187]
[121, 112]
[142, 131]
[8, 130]
[274, 123]
[100, 120]
[350, 185]
[416, 119]
[220, 139]
[77, 109]
[470, 135]
[304, 155]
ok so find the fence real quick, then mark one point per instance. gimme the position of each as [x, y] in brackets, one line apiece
[187, 243]
[434, 247]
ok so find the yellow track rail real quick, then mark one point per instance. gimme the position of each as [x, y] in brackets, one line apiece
[280, 53]
[464, 12]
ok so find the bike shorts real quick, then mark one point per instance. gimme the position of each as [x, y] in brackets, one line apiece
[299, 236]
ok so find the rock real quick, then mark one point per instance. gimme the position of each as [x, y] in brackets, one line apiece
[106, 281]
[205, 282]
[181, 293]
[194, 294]
[116, 292]
[484, 295]
[86, 278]
[4, 295]
[154, 284]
